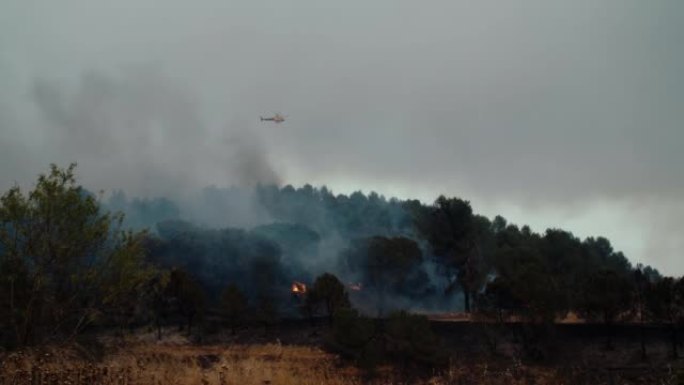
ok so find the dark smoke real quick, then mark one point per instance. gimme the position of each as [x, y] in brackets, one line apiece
[249, 164]
[144, 121]
[228, 234]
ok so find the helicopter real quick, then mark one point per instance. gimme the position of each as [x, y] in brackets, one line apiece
[277, 118]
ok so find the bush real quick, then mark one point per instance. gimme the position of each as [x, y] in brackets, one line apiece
[354, 336]
[410, 340]
[403, 338]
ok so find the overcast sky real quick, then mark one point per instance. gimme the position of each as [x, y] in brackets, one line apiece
[554, 113]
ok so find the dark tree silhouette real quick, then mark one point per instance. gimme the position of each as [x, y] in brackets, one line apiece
[606, 295]
[387, 265]
[665, 301]
[330, 292]
[450, 228]
[233, 306]
[187, 296]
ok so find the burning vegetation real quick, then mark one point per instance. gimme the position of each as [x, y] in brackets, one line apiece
[200, 280]
[298, 288]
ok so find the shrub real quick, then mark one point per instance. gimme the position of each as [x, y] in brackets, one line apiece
[410, 340]
[402, 338]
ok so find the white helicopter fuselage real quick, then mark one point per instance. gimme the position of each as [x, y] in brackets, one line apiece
[276, 119]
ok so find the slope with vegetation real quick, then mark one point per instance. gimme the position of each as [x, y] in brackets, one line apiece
[67, 266]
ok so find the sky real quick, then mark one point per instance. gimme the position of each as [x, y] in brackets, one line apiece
[551, 113]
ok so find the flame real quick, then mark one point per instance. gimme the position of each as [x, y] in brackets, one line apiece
[356, 286]
[298, 288]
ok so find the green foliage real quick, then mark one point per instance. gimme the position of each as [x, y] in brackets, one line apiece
[62, 260]
[390, 262]
[354, 216]
[124, 281]
[456, 237]
[510, 270]
[65, 263]
[525, 280]
[525, 291]
[155, 299]
[565, 259]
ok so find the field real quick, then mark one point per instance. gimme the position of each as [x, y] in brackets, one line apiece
[176, 363]
[140, 361]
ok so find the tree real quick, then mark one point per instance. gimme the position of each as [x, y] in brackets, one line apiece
[297, 242]
[601, 254]
[329, 291]
[187, 295]
[61, 257]
[387, 265]
[216, 256]
[295, 239]
[499, 224]
[124, 281]
[450, 228]
[606, 296]
[493, 307]
[390, 262]
[642, 285]
[524, 286]
[665, 301]
[566, 261]
[155, 299]
[233, 306]
[524, 289]
[265, 276]
[497, 300]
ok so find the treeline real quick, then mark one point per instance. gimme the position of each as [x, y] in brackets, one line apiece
[66, 264]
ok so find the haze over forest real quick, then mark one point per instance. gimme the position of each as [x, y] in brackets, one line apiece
[553, 114]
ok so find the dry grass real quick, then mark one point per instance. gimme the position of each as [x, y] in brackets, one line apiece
[142, 362]
[178, 364]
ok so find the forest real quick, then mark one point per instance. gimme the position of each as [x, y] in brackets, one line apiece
[73, 263]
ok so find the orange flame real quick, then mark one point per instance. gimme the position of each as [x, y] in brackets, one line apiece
[298, 288]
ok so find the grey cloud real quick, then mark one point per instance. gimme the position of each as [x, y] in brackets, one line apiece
[533, 105]
[142, 132]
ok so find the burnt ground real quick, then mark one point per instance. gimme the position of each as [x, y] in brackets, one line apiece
[578, 351]
[575, 353]
[588, 346]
